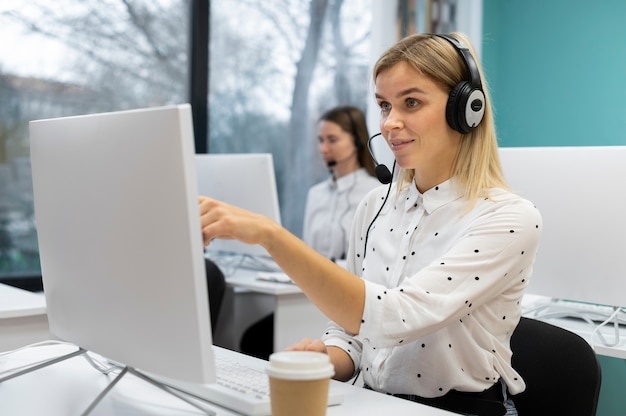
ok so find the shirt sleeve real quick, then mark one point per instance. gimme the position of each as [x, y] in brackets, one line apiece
[336, 335]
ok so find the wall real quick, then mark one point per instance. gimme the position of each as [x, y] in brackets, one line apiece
[557, 76]
[557, 70]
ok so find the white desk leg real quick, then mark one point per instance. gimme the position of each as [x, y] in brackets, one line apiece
[295, 318]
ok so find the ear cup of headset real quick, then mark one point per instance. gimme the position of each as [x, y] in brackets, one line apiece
[465, 108]
[357, 143]
[355, 133]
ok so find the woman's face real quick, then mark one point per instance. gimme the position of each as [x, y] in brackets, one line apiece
[413, 121]
[337, 145]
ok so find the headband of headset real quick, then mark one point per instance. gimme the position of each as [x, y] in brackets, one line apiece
[355, 133]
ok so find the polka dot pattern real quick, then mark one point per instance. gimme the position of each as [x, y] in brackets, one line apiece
[431, 261]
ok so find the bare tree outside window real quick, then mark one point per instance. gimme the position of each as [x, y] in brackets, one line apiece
[275, 65]
[270, 81]
[69, 57]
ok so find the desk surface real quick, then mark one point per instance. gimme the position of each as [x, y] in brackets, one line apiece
[248, 279]
[18, 303]
[67, 388]
[246, 276]
[590, 332]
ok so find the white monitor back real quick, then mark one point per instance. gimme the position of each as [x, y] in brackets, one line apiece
[246, 180]
[581, 195]
[119, 237]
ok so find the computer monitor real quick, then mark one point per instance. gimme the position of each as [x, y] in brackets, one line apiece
[580, 194]
[246, 180]
[116, 207]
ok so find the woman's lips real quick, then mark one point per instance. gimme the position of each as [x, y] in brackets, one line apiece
[399, 144]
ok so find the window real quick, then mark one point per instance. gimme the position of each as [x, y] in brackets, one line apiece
[275, 65]
[71, 57]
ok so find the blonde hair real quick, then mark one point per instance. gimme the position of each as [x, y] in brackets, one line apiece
[476, 167]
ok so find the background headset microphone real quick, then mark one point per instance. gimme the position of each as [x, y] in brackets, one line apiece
[335, 162]
[464, 112]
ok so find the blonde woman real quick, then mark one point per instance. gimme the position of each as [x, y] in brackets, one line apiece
[437, 263]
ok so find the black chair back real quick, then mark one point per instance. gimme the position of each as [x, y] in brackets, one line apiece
[561, 371]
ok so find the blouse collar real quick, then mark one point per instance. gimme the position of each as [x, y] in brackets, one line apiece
[434, 198]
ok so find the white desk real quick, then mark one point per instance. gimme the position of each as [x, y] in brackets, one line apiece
[69, 387]
[580, 327]
[249, 300]
[23, 318]
[295, 317]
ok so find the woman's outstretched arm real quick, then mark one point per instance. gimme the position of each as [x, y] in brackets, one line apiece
[339, 294]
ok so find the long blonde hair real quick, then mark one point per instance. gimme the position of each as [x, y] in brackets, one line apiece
[477, 166]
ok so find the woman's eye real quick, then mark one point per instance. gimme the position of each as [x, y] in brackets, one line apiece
[385, 107]
[411, 102]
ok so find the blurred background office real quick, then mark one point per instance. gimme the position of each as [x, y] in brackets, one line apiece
[342, 138]
[258, 72]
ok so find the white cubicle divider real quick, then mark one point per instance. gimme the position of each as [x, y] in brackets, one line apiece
[246, 180]
[581, 194]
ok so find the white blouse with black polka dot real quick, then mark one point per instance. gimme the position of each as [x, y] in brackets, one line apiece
[443, 289]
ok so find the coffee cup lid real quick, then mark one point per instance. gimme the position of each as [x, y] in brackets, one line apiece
[300, 365]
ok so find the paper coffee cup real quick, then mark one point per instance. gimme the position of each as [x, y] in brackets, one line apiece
[299, 383]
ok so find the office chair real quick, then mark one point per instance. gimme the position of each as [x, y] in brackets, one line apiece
[561, 371]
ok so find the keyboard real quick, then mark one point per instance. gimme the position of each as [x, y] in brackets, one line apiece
[275, 277]
[240, 388]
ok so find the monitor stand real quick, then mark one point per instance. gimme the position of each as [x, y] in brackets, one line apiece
[104, 370]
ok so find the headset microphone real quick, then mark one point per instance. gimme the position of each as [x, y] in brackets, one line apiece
[333, 163]
[382, 172]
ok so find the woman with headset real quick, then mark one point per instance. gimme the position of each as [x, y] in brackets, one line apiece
[342, 135]
[438, 262]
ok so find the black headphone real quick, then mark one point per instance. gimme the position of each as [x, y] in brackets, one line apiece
[466, 102]
[355, 133]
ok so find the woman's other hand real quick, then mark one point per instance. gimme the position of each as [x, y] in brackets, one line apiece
[309, 345]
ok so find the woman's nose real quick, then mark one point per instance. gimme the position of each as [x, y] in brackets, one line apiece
[392, 120]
